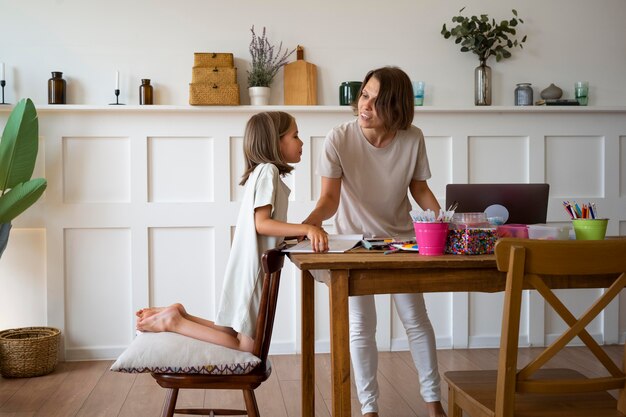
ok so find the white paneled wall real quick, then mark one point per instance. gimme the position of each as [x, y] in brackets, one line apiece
[142, 202]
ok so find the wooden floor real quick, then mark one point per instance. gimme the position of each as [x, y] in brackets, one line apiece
[89, 389]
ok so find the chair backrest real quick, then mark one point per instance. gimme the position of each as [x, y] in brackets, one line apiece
[272, 261]
[541, 264]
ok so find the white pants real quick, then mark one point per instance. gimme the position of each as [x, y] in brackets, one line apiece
[364, 354]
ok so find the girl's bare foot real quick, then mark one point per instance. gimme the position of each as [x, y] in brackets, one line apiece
[435, 409]
[151, 311]
[163, 321]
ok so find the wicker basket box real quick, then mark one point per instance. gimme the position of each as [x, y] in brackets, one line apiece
[29, 351]
[215, 75]
[203, 94]
[213, 59]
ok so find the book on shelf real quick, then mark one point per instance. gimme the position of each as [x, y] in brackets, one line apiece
[558, 102]
[336, 244]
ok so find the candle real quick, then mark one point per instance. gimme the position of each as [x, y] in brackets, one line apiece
[117, 80]
[2, 71]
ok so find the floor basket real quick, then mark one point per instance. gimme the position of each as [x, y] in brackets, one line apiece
[28, 351]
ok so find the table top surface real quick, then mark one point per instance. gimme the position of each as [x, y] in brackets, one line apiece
[360, 258]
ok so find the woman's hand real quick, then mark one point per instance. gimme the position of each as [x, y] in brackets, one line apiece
[318, 238]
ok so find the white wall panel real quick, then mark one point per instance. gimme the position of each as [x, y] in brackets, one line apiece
[23, 279]
[440, 159]
[182, 267]
[180, 169]
[87, 173]
[498, 159]
[622, 166]
[237, 167]
[97, 291]
[575, 166]
[172, 245]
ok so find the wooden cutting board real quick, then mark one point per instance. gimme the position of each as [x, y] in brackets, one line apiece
[300, 81]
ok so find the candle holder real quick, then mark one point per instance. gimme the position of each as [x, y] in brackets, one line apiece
[3, 83]
[117, 98]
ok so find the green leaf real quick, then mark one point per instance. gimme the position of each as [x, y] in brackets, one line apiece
[19, 198]
[524, 38]
[19, 145]
[514, 12]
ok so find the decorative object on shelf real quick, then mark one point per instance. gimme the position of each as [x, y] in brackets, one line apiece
[213, 80]
[418, 92]
[300, 82]
[349, 92]
[484, 38]
[524, 94]
[145, 92]
[56, 88]
[557, 102]
[117, 90]
[551, 92]
[18, 152]
[266, 61]
[581, 92]
[3, 82]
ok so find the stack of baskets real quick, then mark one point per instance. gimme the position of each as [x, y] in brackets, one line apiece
[29, 351]
[213, 80]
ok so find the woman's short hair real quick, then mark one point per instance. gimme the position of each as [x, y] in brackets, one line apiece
[395, 103]
[261, 141]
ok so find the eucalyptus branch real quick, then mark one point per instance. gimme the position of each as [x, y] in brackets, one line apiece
[485, 37]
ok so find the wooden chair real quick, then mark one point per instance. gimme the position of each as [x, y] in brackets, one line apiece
[272, 264]
[530, 391]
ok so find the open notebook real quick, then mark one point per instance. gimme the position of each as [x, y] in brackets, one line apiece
[336, 244]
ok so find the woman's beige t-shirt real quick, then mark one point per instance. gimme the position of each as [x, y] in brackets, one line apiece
[374, 181]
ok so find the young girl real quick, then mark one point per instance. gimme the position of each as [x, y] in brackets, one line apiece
[271, 143]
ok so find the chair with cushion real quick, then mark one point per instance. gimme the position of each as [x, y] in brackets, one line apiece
[533, 390]
[272, 264]
[179, 362]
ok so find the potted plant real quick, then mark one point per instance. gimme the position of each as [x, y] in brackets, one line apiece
[28, 351]
[484, 37]
[266, 61]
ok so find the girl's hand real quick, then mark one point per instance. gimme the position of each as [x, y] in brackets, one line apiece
[318, 238]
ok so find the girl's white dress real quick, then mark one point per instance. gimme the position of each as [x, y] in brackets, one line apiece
[243, 281]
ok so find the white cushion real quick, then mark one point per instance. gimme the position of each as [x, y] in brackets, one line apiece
[173, 353]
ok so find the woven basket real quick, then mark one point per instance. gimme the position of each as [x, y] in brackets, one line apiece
[29, 351]
[213, 59]
[213, 94]
[215, 75]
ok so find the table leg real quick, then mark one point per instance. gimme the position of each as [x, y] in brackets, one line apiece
[308, 345]
[340, 343]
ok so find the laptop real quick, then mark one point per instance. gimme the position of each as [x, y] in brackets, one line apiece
[526, 203]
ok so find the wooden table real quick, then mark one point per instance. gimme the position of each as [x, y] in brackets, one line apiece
[362, 272]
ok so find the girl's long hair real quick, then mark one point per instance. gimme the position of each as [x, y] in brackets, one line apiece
[261, 141]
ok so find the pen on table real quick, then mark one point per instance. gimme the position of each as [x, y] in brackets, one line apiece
[390, 251]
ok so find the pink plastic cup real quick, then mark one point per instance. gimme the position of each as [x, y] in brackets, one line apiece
[431, 237]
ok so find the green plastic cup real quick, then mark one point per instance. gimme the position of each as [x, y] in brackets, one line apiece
[590, 229]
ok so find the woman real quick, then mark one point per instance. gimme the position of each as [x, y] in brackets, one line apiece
[367, 165]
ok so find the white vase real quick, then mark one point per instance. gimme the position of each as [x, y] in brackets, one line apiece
[259, 96]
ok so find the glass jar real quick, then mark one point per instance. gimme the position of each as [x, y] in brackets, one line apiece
[524, 94]
[56, 88]
[145, 92]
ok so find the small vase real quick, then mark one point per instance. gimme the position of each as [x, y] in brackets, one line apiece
[56, 88]
[145, 92]
[482, 85]
[259, 96]
[551, 92]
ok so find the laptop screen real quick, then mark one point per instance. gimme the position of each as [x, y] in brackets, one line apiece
[526, 203]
